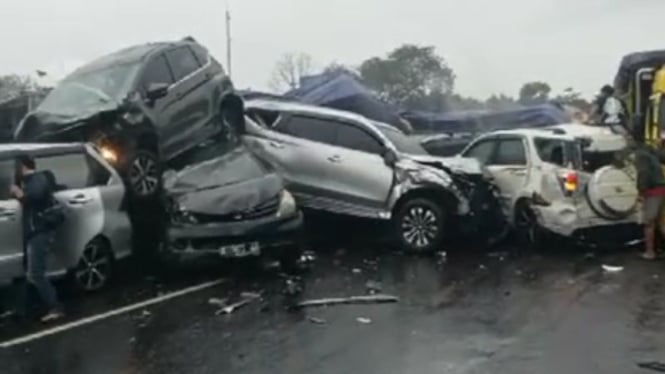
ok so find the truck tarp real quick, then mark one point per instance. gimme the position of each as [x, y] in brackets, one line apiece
[631, 63]
[343, 91]
[483, 121]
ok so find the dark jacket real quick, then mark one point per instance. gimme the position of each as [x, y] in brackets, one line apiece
[648, 162]
[38, 189]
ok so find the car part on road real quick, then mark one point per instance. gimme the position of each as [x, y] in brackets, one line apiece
[230, 308]
[364, 320]
[652, 365]
[95, 267]
[420, 225]
[371, 299]
[317, 321]
[612, 269]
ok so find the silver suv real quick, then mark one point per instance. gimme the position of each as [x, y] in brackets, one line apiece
[96, 232]
[344, 163]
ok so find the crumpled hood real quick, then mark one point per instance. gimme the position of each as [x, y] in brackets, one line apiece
[233, 182]
[455, 164]
[43, 125]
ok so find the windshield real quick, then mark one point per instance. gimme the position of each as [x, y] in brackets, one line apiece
[91, 89]
[564, 153]
[402, 142]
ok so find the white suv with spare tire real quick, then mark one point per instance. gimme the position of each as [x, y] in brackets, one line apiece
[545, 188]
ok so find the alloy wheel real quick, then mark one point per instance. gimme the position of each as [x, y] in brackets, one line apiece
[94, 267]
[420, 226]
[143, 175]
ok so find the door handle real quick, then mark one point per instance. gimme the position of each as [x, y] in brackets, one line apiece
[80, 200]
[335, 159]
[276, 145]
[517, 171]
[7, 214]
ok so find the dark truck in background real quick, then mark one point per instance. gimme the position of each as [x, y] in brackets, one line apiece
[141, 106]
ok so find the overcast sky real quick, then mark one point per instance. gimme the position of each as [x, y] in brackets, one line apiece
[492, 45]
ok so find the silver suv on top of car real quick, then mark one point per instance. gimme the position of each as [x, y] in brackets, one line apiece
[344, 163]
[96, 231]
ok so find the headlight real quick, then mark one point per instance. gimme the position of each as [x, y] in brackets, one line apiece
[287, 204]
[179, 214]
[108, 154]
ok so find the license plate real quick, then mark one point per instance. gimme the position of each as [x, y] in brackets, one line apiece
[240, 250]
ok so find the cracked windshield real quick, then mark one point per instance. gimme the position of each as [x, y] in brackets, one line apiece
[298, 186]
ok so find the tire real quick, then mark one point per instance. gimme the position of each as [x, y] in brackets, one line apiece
[529, 233]
[143, 174]
[95, 267]
[419, 225]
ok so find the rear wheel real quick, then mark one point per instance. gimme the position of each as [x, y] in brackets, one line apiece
[527, 228]
[94, 268]
[419, 224]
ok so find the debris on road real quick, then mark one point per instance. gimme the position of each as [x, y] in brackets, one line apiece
[373, 287]
[247, 297]
[217, 302]
[364, 320]
[612, 269]
[293, 286]
[652, 365]
[317, 321]
[307, 257]
[371, 299]
[356, 271]
[442, 257]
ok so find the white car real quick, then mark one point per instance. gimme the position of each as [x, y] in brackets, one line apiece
[545, 189]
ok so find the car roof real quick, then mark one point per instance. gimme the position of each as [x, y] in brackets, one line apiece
[293, 107]
[128, 55]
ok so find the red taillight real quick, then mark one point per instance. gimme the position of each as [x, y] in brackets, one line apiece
[570, 182]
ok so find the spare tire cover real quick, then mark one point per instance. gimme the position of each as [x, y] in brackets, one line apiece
[612, 193]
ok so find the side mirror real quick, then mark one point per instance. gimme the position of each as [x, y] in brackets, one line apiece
[389, 157]
[232, 113]
[156, 91]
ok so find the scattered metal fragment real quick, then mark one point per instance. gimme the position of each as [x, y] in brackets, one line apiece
[652, 365]
[370, 299]
[217, 302]
[364, 320]
[233, 307]
[356, 271]
[317, 321]
[612, 269]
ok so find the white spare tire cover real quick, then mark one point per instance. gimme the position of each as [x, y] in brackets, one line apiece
[612, 193]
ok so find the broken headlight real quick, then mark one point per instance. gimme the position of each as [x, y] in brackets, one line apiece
[287, 204]
[179, 213]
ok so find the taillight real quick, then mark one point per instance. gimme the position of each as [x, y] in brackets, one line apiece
[570, 182]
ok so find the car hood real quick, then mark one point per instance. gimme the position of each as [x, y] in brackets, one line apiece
[43, 125]
[223, 185]
[460, 165]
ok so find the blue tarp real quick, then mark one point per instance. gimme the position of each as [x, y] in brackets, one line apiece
[482, 121]
[342, 90]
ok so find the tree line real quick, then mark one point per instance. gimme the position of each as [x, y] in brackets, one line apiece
[417, 78]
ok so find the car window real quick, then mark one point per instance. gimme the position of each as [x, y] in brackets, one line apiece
[200, 53]
[481, 151]
[157, 71]
[182, 62]
[6, 178]
[559, 152]
[74, 170]
[509, 152]
[352, 137]
[311, 128]
[403, 142]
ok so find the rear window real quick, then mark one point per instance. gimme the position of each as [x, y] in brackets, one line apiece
[559, 152]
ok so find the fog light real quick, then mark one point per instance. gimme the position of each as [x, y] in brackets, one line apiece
[108, 154]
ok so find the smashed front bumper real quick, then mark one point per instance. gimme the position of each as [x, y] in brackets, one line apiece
[275, 238]
[581, 224]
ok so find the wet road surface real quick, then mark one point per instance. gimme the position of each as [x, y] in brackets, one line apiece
[506, 312]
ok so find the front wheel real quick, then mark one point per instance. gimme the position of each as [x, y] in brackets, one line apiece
[419, 225]
[528, 230]
[143, 174]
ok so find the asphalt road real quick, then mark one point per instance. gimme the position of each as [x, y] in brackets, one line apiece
[504, 312]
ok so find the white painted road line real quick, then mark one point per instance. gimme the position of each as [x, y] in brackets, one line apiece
[109, 314]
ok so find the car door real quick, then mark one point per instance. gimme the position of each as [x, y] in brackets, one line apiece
[162, 111]
[83, 206]
[191, 106]
[11, 226]
[509, 166]
[358, 175]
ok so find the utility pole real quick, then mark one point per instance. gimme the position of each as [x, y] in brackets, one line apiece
[228, 39]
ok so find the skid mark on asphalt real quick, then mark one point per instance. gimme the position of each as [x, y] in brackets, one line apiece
[109, 314]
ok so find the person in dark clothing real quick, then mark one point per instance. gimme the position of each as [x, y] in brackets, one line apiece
[651, 185]
[36, 196]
